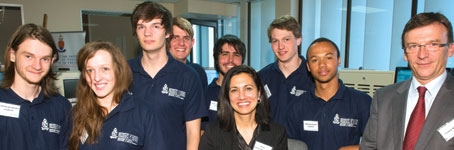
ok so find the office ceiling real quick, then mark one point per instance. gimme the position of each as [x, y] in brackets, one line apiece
[223, 1]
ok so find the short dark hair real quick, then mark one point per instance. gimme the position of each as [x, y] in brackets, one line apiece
[225, 111]
[322, 39]
[285, 22]
[424, 19]
[30, 31]
[231, 40]
[151, 10]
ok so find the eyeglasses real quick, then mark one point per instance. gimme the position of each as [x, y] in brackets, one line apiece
[434, 46]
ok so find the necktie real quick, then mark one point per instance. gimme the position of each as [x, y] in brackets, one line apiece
[416, 121]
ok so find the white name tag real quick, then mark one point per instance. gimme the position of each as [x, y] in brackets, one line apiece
[267, 90]
[261, 146]
[214, 106]
[447, 130]
[310, 125]
[9, 110]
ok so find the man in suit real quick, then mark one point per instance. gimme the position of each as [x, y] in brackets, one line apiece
[417, 113]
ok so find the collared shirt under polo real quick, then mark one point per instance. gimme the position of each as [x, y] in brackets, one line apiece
[331, 124]
[41, 124]
[131, 125]
[283, 90]
[175, 95]
[200, 71]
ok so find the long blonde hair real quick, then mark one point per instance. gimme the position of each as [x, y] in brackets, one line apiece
[88, 115]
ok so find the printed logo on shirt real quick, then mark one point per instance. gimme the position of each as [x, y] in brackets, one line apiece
[345, 122]
[297, 92]
[173, 92]
[124, 137]
[51, 127]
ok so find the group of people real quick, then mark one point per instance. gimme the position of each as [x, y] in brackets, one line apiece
[160, 100]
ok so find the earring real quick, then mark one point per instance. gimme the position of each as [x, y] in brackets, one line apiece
[260, 100]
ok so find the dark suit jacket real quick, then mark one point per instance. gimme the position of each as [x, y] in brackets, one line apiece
[385, 128]
[216, 138]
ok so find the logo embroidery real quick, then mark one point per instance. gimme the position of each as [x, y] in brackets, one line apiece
[124, 137]
[173, 92]
[297, 92]
[114, 133]
[336, 119]
[51, 127]
[44, 125]
[345, 122]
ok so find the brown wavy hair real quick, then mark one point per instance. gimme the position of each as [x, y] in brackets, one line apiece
[30, 31]
[88, 114]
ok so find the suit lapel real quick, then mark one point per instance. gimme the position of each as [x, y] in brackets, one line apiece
[398, 112]
[437, 114]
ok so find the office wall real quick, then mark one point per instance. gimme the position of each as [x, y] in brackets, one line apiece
[65, 15]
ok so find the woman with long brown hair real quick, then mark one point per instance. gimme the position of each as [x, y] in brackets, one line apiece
[106, 115]
[243, 120]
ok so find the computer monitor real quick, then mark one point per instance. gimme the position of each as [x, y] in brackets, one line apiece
[67, 84]
[211, 74]
[69, 87]
[402, 74]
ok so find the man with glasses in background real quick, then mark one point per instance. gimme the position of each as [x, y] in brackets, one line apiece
[417, 113]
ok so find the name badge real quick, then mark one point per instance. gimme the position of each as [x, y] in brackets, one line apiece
[9, 110]
[267, 91]
[310, 125]
[260, 146]
[447, 130]
[214, 106]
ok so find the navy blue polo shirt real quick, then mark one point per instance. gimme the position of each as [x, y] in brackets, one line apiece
[211, 97]
[330, 124]
[130, 125]
[175, 95]
[40, 124]
[281, 91]
[200, 71]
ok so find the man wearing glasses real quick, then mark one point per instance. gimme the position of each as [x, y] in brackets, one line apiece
[172, 88]
[417, 113]
[181, 44]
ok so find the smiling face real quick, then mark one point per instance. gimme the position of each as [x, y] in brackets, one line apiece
[284, 45]
[180, 44]
[243, 94]
[428, 65]
[151, 35]
[323, 62]
[32, 59]
[99, 74]
[228, 58]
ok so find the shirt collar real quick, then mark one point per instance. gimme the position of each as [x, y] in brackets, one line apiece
[301, 68]
[126, 103]
[136, 65]
[338, 96]
[432, 87]
[213, 83]
[40, 99]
